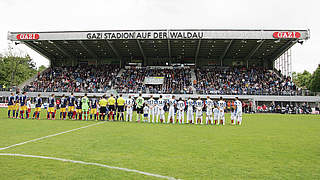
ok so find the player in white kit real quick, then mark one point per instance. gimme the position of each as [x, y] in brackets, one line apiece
[181, 106]
[199, 106]
[172, 102]
[129, 108]
[209, 106]
[151, 105]
[156, 110]
[145, 112]
[190, 116]
[233, 114]
[221, 107]
[215, 114]
[161, 103]
[238, 111]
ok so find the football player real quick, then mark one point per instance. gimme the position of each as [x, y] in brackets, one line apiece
[221, 107]
[199, 106]
[172, 102]
[23, 104]
[209, 106]
[151, 105]
[85, 107]
[190, 116]
[37, 111]
[71, 104]
[63, 106]
[129, 108]
[139, 105]
[16, 105]
[161, 103]
[28, 108]
[11, 105]
[181, 106]
[238, 111]
[78, 109]
[93, 108]
[215, 114]
[52, 106]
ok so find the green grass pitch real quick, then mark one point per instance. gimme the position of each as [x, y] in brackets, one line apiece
[265, 146]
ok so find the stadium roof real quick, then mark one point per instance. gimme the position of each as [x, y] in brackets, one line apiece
[184, 43]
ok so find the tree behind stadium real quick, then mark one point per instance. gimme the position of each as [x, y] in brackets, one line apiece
[315, 80]
[15, 69]
[307, 80]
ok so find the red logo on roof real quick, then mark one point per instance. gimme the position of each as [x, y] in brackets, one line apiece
[286, 35]
[28, 36]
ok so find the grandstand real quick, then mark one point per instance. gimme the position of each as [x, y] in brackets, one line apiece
[252, 64]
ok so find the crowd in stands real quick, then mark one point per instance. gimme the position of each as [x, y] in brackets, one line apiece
[219, 81]
[243, 81]
[176, 81]
[82, 78]
[303, 108]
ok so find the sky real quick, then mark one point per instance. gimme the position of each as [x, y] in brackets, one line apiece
[60, 15]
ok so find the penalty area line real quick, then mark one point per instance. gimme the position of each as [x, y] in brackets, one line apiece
[52, 135]
[90, 163]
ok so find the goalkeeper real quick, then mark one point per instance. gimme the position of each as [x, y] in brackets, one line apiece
[85, 107]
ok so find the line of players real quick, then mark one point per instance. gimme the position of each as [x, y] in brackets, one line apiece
[154, 109]
[149, 111]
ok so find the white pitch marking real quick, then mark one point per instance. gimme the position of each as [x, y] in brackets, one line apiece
[89, 163]
[33, 140]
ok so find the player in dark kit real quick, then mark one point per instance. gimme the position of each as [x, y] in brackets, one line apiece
[51, 108]
[16, 105]
[11, 105]
[23, 104]
[38, 102]
[93, 108]
[63, 106]
[71, 104]
[79, 109]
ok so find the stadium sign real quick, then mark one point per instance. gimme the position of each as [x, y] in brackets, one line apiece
[159, 34]
[147, 35]
[286, 35]
[154, 80]
[29, 36]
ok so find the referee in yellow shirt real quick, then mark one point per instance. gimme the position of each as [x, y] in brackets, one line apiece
[111, 103]
[103, 107]
[120, 103]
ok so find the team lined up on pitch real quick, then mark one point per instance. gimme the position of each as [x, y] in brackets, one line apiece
[150, 110]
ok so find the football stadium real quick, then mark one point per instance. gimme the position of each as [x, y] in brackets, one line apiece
[161, 104]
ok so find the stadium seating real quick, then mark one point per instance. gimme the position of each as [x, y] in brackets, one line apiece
[176, 81]
[215, 80]
[243, 81]
[75, 79]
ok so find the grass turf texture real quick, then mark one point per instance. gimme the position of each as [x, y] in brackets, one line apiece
[266, 146]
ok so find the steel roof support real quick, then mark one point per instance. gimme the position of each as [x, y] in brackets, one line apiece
[283, 49]
[197, 52]
[114, 49]
[87, 49]
[141, 50]
[253, 51]
[225, 52]
[61, 50]
[169, 48]
[39, 50]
